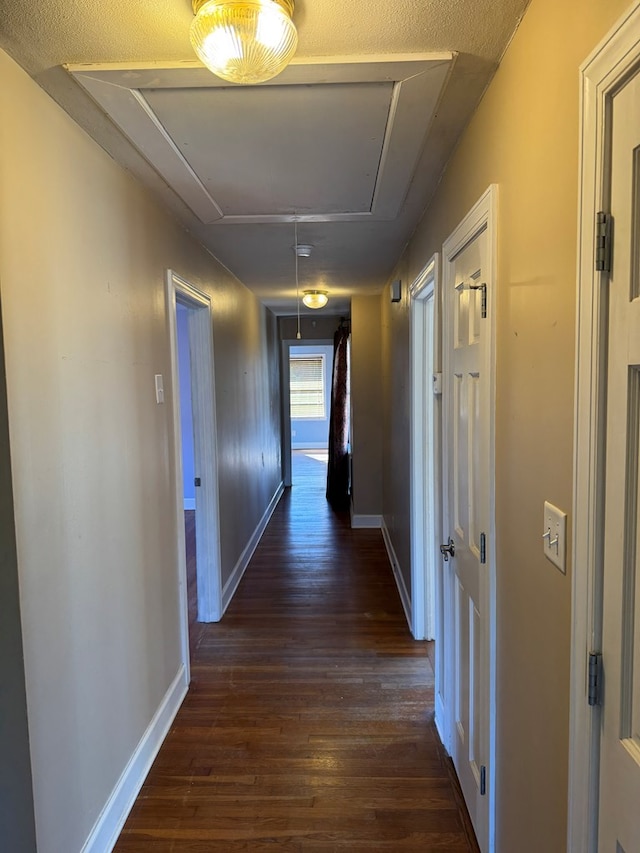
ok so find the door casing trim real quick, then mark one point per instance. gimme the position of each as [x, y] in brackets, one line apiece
[209, 578]
[423, 498]
[287, 345]
[612, 61]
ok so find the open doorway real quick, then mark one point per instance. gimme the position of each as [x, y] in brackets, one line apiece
[188, 471]
[309, 404]
[310, 369]
[195, 458]
[306, 399]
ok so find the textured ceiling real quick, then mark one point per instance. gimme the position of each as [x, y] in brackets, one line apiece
[46, 33]
[348, 256]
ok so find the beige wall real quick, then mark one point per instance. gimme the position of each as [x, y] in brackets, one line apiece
[366, 406]
[313, 328]
[83, 253]
[396, 420]
[524, 137]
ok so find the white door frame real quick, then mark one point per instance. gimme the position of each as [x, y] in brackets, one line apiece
[200, 327]
[617, 55]
[425, 526]
[483, 216]
[287, 344]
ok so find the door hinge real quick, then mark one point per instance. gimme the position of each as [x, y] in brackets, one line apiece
[197, 481]
[595, 678]
[604, 223]
[483, 298]
[483, 548]
[483, 780]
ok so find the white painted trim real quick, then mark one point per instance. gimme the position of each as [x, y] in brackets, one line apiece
[365, 521]
[424, 454]
[180, 554]
[189, 503]
[440, 717]
[241, 566]
[611, 61]
[395, 566]
[108, 827]
[285, 399]
[200, 325]
[418, 81]
[483, 215]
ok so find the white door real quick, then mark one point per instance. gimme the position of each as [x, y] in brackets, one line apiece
[468, 525]
[619, 822]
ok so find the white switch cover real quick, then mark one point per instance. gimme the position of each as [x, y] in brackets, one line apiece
[159, 389]
[554, 535]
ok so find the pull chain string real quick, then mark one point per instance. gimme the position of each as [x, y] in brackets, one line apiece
[298, 335]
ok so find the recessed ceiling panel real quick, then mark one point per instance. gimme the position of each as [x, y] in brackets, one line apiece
[322, 142]
[279, 150]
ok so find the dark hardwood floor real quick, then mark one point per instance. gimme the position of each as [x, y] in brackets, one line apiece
[309, 722]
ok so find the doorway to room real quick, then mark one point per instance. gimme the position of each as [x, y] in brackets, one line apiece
[310, 369]
[195, 458]
[188, 471]
[306, 398]
[604, 759]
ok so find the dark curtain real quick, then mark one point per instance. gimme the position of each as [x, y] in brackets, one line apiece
[338, 462]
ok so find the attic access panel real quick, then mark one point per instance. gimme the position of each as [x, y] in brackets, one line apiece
[323, 142]
[268, 151]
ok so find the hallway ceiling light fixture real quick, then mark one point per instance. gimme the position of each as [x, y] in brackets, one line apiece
[315, 298]
[244, 41]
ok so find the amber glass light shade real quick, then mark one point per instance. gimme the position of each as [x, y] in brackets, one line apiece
[315, 298]
[244, 41]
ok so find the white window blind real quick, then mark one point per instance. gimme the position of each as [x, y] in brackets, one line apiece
[306, 376]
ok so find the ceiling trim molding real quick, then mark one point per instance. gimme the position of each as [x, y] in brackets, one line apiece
[418, 83]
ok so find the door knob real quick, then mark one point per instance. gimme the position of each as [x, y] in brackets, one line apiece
[448, 550]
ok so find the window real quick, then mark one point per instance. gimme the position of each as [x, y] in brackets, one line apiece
[307, 386]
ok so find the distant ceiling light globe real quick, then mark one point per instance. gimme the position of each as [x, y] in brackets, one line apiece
[244, 41]
[315, 298]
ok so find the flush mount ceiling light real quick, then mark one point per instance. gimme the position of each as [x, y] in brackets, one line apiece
[315, 298]
[244, 41]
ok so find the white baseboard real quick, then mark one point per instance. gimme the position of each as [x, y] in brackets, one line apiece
[236, 575]
[107, 828]
[189, 503]
[395, 565]
[440, 721]
[366, 521]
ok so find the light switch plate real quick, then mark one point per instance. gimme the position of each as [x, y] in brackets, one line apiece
[159, 383]
[554, 536]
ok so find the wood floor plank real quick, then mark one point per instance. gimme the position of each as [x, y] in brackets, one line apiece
[308, 727]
